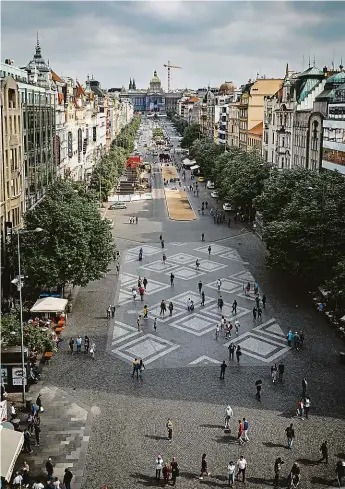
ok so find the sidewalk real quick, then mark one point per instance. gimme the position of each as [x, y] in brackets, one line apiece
[65, 433]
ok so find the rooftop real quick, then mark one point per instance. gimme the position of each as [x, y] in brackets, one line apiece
[257, 130]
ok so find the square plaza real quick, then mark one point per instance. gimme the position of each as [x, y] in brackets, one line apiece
[195, 324]
[148, 348]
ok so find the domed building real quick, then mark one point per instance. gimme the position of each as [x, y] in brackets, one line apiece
[152, 99]
[226, 88]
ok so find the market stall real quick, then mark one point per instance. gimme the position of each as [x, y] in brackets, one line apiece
[11, 443]
[48, 305]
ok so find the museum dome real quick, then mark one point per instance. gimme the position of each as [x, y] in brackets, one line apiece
[155, 78]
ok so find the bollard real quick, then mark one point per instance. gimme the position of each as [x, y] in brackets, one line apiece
[28, 402]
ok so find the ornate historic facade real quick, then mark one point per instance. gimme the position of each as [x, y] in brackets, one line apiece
[153, 99]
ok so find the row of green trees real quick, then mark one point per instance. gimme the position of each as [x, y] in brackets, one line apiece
[106, 174]
[302, 210]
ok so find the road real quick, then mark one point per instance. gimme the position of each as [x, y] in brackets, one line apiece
[125, 418]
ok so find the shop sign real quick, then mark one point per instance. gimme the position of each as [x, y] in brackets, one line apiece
[17, 376]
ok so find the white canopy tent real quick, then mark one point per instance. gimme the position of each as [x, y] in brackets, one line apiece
[194, 167]
[188, 162]
[49, 304]
[11, 443]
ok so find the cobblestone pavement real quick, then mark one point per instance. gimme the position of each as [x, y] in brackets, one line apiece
[129, 416]
[65, 433]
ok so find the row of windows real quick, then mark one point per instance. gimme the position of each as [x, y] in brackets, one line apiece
[334, 135]
[40, 98]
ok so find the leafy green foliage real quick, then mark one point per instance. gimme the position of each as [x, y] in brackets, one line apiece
[305, 223]
[180, 124]
[239, 177]
[109, 171]
[34, 337]
[205, 152]
[336, 287]
[190, 134]
[76, 245]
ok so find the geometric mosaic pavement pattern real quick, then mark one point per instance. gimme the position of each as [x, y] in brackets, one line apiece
[187, 338]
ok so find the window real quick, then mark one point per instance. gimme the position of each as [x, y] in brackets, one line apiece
[11, 95]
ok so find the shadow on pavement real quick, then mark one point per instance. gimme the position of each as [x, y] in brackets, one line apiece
[269, 444]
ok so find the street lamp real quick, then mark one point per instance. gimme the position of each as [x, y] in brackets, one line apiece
[19, 232]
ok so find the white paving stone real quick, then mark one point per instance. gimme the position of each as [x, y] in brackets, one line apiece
[211, 266]
[185, 273]
[226, 311]
[148, 347]
[244, 277]
[182, 258]
[159, 266]
[205, 361]
[265, 349]
[182, 299]
[195, 324]
[122, 332]
[152, 286]
[147, 250]
[227, 285]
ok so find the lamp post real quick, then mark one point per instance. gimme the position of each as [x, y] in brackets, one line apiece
[19, 232]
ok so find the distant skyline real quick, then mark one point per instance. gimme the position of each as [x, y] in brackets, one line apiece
[213, 42]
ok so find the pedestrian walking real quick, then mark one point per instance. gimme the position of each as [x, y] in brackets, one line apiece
[202, 298]
[71, 345]
[340, 471]
[134, 293]
[141, 293]
[135, 367]
[78, 343]
[245, 429]
[39, 403]
[25, 474]
[197, 265]
[17, 481]
[145, 311]
[209, 250]
[172, 278]
[49, 468]
[258, 385]
[237, 326]
[300, 409]
[277, 470]
[31, 420]
[159, 466]
[27, 442]
[217, 332]
[163, 308]
[93, 350]
[304, 386]
[160, 237]
[289, 337]
[113, 309]
[203, 467]
[141, 369]
[108, 312]
[274, 373]
[231, 473]
[290, 435]
[171, 308]
[219, 284]
[37, 430]
[164, 258]
[238, 353]
[223, 367]
[259, 313]
[86, 344]
[241, 468]
[231, 349]
[257, 301]
[264, 300]
[162, 244]
[155, 325]
[220, 303]
[234, 307]
[254, 313]
[169, 427]
[324, 453]
[175, 471]
[202, 237]
[306, 406]
[200, 286]
[139, 322]
[166, 473]
[281, 370]
[145, 282]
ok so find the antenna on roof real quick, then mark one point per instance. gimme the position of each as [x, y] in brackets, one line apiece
[341, 64]
[314, 61]
[303, 63]
[333, 59]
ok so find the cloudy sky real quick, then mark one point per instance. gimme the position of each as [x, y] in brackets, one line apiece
[212, 41]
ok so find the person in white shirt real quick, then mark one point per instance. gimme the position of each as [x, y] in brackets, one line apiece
[228, 415]
[219, 284]
[159, 466]
[231, 473]
[38, 485]
[237, 326]
[12, 411]
[92, 350]
[241, 466]
[17, 481]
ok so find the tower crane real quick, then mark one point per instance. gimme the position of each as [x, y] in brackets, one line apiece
[169, 65]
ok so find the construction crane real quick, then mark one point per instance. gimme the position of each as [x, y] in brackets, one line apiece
[169, 65]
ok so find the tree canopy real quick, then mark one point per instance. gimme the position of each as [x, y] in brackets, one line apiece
[34, 336]
[190, 134]
[304, 222]
[76, 245]
[205, 152]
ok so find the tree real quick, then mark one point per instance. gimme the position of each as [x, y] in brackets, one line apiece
[205, 152]
[240, 177]
[335, 287]
[108, 172]
[190, 134]
[76, 245]
[307, 237]
[34, 337]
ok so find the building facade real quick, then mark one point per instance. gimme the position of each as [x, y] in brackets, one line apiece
[333, 143]
[153, 99]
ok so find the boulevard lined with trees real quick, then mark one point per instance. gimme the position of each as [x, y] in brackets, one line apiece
[302, 210]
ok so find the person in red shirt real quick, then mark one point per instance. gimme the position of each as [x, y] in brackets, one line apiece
[141, 292]
[240, 431]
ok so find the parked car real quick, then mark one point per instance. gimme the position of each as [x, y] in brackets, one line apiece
[210, 185]
[118, 205]
[214, 194]
[227, 207]
[201, 179]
